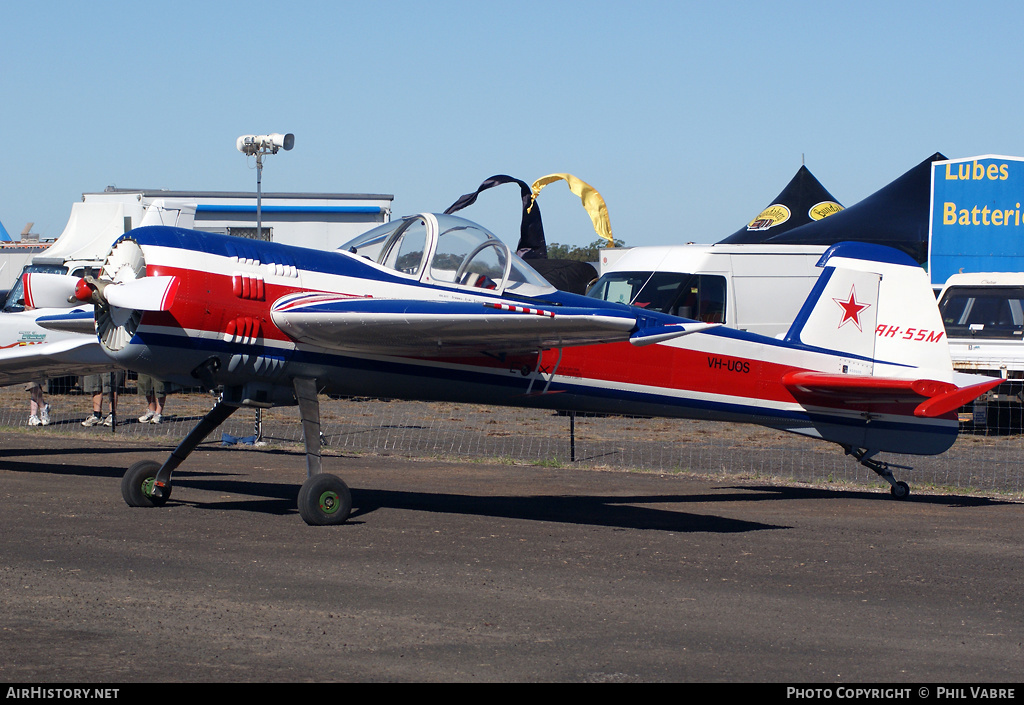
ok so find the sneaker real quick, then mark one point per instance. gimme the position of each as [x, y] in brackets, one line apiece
[109, 421]
[33, 420]
[146, 417]
[93, 420]
[157, 418]
[44, 418]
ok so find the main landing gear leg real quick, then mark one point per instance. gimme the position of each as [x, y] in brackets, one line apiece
[898, 489]
[147, 483]
[323, 499]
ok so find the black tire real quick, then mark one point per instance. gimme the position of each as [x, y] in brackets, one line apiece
[137, 485]
[901, 490]
[324, 500]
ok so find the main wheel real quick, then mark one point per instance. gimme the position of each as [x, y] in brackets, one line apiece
[137, 485]
[324, 500]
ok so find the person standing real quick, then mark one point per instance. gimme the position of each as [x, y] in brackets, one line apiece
[39, 410]
[155, 391]
[98, 385]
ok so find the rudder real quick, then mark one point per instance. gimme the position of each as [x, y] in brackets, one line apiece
[874, 306]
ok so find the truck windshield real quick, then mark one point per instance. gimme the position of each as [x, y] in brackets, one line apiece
[983, 312]
[699, 297]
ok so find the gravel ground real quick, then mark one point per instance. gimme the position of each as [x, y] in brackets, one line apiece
[475, 571]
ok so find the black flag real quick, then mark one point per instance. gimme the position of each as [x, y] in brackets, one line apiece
[531, 230]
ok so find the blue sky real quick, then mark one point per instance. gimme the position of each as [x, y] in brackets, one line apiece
[688, 117]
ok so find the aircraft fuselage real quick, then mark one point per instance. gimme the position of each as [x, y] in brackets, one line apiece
[220, 330]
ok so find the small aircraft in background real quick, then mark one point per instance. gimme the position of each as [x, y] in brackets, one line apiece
[30, 352]
[435, 307]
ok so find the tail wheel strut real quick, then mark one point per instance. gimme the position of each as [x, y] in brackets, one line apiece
[898, 488]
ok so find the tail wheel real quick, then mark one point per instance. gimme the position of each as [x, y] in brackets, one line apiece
[901, 490]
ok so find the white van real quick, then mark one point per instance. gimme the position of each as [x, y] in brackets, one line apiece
[756, 288]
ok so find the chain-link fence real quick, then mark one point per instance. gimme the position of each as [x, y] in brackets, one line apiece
[983, 462]
[998, 413]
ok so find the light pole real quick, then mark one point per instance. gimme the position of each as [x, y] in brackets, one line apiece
[258, 146]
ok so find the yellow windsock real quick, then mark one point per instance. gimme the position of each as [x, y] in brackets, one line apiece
[592, 201]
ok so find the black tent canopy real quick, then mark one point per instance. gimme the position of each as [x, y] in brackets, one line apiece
[803, 201]
[897, 215]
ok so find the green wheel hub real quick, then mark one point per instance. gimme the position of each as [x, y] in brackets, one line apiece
[324, 500]
[329, 503]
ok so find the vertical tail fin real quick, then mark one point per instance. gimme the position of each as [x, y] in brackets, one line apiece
[874, 306]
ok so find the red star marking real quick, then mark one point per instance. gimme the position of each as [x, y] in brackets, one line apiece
[851, 309]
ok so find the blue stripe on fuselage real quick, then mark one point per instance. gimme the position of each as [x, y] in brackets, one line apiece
[451, 384]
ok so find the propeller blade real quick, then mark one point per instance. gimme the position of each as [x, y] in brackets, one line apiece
[48, 290]
[145, 294]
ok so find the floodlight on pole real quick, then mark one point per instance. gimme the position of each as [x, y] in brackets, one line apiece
[258, 146]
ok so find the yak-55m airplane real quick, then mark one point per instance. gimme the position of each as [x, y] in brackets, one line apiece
[435, 307]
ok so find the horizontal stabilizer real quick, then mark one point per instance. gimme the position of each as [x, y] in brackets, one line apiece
[952, 400]
[406, 327]
[931, 397]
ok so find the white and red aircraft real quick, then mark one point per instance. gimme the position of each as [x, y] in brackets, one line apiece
[435, 307]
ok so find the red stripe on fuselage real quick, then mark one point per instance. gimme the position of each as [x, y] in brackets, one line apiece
[673, 368]
[684, 370]
[207, 302]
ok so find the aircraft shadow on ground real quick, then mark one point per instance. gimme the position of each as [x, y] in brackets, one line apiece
[615, 512]
[623, 512]
[610, 511]
[280, 499]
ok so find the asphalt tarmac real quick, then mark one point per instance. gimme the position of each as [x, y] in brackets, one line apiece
[490, 572]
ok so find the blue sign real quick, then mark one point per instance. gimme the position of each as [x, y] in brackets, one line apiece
[977, 216]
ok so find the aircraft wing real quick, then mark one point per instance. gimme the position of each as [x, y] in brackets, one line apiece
[441, 328]
[81, 355]
[930, 397]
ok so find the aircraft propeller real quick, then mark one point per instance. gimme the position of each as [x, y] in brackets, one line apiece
[43, 290]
